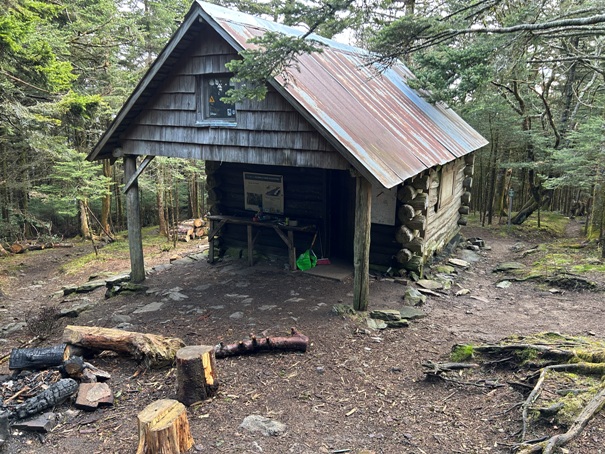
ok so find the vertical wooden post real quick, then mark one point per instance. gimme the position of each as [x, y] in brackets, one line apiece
[361, 246]
[133, 216]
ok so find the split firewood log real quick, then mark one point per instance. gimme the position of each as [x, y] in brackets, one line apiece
[152, 350]
[164, 428]
[295, 342]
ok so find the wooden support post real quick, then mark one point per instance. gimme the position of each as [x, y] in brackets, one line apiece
[195, 374]
[250, 246]
[361, 246]
[164, 428]
[133, 215]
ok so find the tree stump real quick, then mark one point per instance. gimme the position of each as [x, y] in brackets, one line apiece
[164, 428]
[195, 374]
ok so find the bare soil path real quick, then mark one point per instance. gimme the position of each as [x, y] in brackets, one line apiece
[356, 390]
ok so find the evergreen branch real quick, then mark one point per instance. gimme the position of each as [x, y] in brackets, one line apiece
[21, 81]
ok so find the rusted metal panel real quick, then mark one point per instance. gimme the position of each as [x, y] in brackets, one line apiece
[385, 126]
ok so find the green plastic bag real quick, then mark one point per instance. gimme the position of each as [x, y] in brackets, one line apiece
[306, 260]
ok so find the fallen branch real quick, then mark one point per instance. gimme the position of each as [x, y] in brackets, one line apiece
[295, 342]
[548, 447]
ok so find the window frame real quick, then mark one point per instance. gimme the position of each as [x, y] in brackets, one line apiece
[202, 102]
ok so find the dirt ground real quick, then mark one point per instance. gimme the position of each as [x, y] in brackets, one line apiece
[354, 391]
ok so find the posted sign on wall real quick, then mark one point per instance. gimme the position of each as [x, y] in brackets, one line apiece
[264, 192]
[384, 205]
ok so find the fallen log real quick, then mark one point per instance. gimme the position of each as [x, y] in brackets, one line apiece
[164, 428]
[295, 342]
[38, 358]
[195, 374]
[54, 395]
[152, 350]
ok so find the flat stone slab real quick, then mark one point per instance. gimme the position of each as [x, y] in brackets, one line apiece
[429, 284]
[94, 395]
[385, 314]
[117, 279]
[90, 286]
[459, 262]
[76, 310]
[445, 269]
[509, 266]
[411, 313]
[151, 307]
[183, 261]
[375, 324]
[43, 423]
[397, 323]
[413, 297]
[266, 426]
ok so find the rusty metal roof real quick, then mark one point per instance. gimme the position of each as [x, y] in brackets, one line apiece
[386, 130]
[384, 127]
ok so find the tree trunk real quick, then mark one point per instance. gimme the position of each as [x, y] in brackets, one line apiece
[164, 428]
[195, 374]
[106, 202]
[84, 226]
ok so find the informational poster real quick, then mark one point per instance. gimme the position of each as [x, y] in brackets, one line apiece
[384, 205]
[264, 192]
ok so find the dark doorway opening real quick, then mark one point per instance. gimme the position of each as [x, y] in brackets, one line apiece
[341, 214]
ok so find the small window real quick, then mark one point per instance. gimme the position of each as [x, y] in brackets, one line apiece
[211, 108]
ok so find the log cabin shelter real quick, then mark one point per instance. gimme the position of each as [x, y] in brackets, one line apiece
[382, 175]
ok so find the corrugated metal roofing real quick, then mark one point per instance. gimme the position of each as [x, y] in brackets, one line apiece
[384, 128]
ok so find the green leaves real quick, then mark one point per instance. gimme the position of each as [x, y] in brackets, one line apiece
[273, 55]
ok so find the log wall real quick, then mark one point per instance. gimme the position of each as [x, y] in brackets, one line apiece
[431, 207]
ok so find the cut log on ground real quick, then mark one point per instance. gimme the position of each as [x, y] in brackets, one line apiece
[38, 358]
[152, 350]
[164, 428]
[195, 374]
[295, 342]
[48, 398]
[17, 248]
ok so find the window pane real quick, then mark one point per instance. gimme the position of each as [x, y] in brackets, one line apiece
[215, 89]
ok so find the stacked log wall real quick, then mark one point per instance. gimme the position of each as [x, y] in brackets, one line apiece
[443, 217]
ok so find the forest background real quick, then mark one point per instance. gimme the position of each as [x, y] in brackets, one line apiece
[529, 75]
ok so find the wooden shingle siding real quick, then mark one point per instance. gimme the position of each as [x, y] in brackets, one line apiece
[303, 140]
[175, 101]
[180, 84]
[260, 156]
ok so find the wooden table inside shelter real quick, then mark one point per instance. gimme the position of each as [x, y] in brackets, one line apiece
[285, 232]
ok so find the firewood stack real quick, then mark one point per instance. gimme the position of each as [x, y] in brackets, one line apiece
[191, 229]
